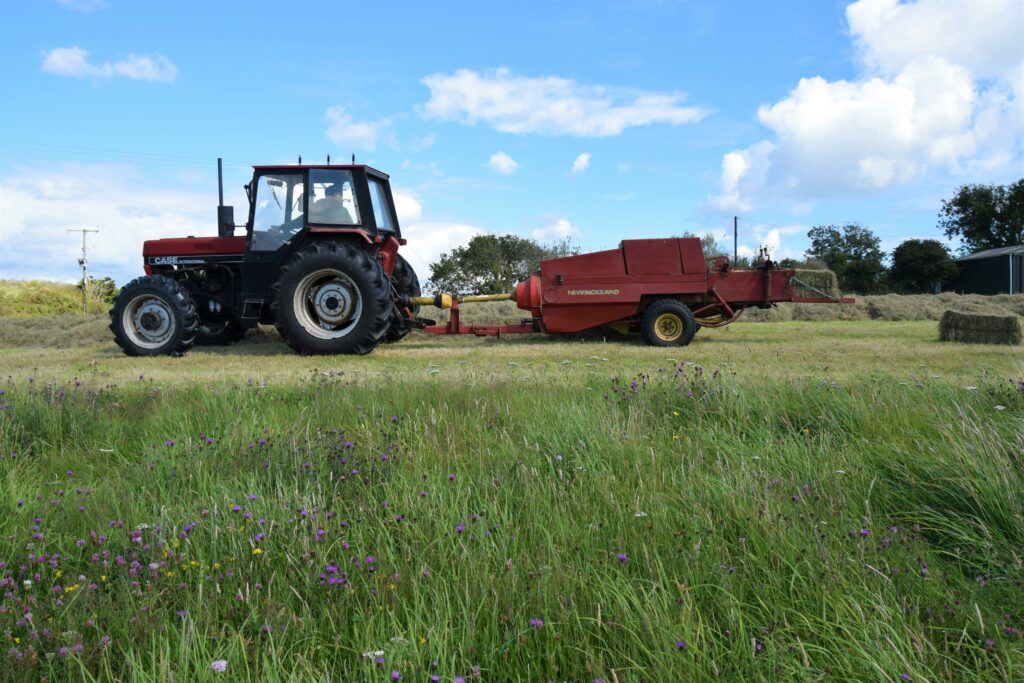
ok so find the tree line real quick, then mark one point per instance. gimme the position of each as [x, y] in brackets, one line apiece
[980, 216]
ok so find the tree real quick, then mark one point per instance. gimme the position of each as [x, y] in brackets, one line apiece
[985, 216]
[918, 265]
[492, 264]
[852, 252]
[104, 290]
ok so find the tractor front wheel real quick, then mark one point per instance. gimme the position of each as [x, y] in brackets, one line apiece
[330, 298]
[153, 316]
[668, 322]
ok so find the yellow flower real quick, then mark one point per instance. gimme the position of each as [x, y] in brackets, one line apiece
[676, 413]
[423, 641]
[392, 586]
[17, 641]
[216, 565]
[169, 573]
[257, 551]
[193, 563]
[103, 578]
[675, 437]
[58, 573]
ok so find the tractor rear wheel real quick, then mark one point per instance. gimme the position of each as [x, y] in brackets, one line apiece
[330, 298]
[668, 322]
[153, 316]
[218, 333]
[405, 282]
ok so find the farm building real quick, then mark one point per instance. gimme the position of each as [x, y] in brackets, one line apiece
[993, 271]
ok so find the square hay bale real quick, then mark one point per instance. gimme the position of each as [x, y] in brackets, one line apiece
[822, 280]
[976, 328]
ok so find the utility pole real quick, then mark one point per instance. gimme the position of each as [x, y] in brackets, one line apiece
[84, 262]
[735, 239]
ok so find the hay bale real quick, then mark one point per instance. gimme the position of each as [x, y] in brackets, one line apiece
[821, 280]
[976, 328]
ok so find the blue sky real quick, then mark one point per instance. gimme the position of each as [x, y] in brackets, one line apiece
[593, 120]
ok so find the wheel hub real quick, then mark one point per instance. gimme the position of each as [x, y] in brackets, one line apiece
[148, 321]
[333, 302]
[668, 327]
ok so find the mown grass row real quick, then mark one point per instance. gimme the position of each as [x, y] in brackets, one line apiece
[678, 524]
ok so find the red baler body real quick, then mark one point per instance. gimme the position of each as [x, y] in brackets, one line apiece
[577, 293]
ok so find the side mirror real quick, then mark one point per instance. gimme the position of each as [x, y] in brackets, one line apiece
[226, 221]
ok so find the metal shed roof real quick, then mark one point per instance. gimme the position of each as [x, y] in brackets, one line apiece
[990, 253]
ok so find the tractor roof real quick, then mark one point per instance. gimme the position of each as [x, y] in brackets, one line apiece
[332, 167]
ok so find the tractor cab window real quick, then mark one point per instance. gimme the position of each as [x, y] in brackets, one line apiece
[279, 210]
[332, 200]
[381, 210]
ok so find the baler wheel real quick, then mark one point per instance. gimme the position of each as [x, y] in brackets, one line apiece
[668, 322]
[404, 282]
[332, 297]
[154, 316]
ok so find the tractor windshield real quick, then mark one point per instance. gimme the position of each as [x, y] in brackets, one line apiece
[279, 210]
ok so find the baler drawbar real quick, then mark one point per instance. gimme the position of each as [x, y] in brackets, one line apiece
[662, 289]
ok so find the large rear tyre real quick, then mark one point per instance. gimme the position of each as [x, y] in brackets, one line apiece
[668, 322]
[218, 333]
[404, 282]
[154, 316]
[332, 298]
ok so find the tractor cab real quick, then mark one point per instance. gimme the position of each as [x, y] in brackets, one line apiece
[285, 201]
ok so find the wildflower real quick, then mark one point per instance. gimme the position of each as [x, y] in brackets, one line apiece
[379, 661]
[260, 536]
[681, 644]
[460, 527]
[395, 676]
[257, 551]
[220, 666]
[622, 557]
[989, 644]
[864, 533]
[536, 623]
[451, 477]
[904, 677]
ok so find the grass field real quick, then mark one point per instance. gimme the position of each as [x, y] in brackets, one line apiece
[781, 501]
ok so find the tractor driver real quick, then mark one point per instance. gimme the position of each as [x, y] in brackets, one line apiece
[330, 209]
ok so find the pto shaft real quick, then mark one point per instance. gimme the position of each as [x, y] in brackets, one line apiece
[445, 300]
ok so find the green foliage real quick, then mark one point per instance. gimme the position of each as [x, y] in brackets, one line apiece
[28, 298]
[492, 264]
[783, 530]
[852, 252]
[985, 216]
[919, 265]
[103, 290]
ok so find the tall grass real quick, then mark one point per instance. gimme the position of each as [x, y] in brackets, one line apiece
[676, 523]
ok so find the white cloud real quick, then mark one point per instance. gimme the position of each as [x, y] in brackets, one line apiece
[39, 205]
[556, 228]
[83, 5]
[343, 130]
[502, 163]
[984, 37]
[407, 205]
[941, 92]
[428, 239]
[74, 62]
[549, 105]
[581, 164]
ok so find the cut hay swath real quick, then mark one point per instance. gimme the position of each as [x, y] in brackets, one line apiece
[820, 281]
[974, 328]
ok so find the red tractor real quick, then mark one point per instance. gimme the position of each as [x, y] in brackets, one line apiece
[319, 260]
